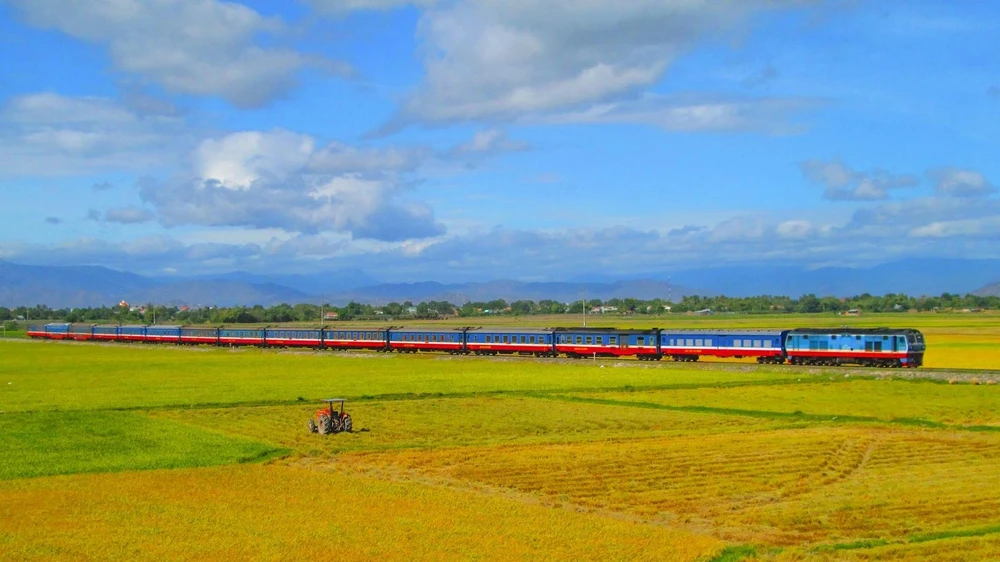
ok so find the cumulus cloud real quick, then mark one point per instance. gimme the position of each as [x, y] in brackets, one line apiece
[487, 59]
[955, 182]
[284, 180]
[844, 184]
[889, 230]
[199, 47]
[47, 134]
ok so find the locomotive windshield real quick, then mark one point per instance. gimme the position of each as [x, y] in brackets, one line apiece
[916, 341]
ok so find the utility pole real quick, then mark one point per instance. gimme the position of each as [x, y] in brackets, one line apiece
[584, 300]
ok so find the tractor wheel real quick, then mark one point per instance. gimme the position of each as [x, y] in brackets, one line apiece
[348, 424]
[337, 424]
[325, 425]
[312, 427]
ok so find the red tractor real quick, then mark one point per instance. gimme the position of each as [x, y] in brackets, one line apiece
[329, 420]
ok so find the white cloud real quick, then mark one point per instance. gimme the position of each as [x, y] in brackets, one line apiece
[955, 182]
[490, 141]
[279, 179]
[198, 47]
[692, 113]
[505, 59]
[48, 134]
[844, 184]
[238, 159]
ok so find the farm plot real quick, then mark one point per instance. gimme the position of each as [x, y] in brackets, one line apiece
[46, 443]
[899, 400]
[278, 513]
[912, 483]
[452, 422]
[788, 487]
[919, 549]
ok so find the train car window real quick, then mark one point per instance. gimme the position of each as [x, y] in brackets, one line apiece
[588, 340]
[524, 339]
[756, 343]
[698, 342]
[613, 340]
[506, 339]
[855, 337]
[737, 343]
[489, 339]
[579, 340]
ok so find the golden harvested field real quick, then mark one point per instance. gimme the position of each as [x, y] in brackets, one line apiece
[128, 452]
[882, 399]
[285, 513]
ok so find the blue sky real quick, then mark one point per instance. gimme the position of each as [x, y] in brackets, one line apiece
[480, 139]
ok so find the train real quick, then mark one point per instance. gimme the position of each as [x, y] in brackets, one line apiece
[871, 347]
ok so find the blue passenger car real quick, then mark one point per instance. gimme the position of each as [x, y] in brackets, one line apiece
[689, 345]
[294, 337]
[164, 334]
[355, 338]
[241, 336]
[523, 341]
[412, 340]
[135, 333]
[607, 342]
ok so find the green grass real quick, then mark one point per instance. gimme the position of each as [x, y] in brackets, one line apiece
[45, 444]
[735, 554]
[40, 376]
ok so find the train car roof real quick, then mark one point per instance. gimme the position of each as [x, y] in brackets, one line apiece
[57, 324]
[854, 331]
[760, 332]
[508, 330]
[169, 327]
[607, 330]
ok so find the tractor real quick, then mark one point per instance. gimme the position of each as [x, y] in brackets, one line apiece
[329, 420]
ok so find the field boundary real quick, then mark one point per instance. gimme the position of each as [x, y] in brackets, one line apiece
[768, 414]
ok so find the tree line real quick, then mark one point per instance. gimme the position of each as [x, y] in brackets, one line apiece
[314, 313]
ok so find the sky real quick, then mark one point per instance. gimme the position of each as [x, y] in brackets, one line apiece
[481, 139]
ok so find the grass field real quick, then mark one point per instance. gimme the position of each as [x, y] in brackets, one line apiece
[147, 452]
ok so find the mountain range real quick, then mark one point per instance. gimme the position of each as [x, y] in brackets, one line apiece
[83, 286]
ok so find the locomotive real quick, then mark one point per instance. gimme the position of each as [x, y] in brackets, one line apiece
[872, 347]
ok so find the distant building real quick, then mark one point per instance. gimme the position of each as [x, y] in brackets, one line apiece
[853, 312]
[330, 316]
[702, 312]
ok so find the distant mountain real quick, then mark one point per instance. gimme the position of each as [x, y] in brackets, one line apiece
[89, 286]
[323, 283]
[912, 277]
[991, 290]
[73, 286]
[512, 291]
